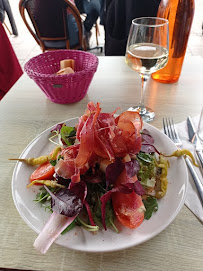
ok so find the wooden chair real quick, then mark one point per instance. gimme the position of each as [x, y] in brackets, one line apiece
[49, 22]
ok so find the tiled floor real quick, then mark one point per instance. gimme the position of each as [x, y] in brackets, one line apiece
[25, 46]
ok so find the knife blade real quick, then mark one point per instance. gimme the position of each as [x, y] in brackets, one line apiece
[194, 139]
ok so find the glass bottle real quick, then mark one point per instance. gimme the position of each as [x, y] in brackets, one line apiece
[180, 15]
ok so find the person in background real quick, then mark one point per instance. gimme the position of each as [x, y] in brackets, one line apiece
[92, 9]
[72, 28]
[10, 69]
[5, 9]
[118, 17]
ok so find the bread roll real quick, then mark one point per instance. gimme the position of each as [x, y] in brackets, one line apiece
[67, 70]
[67, 66]
[67, 63]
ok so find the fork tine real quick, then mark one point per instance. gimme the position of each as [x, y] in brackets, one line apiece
[168, 125]
[169, 128]
[176, 132]
[164, 125]
[172, 129]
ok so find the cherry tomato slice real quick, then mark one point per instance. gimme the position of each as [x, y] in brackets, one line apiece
[43, 172]
[129, 208]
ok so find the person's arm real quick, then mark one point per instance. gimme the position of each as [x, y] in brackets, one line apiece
[10, 69]
[2, 12]
[8, 10]
[79, 5]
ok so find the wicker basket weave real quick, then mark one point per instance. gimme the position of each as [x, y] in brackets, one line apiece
[67, 88]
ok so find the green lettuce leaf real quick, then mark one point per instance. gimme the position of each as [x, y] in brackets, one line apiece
[68, 135]
[151, 206]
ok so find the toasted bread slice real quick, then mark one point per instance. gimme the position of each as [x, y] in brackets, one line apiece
[67, 70]
[67, 63]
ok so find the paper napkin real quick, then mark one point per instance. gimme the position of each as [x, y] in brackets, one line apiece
[192, 198]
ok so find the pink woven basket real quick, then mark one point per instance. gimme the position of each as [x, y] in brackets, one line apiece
[67, 88]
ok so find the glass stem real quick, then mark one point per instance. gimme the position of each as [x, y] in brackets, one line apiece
[144, 78]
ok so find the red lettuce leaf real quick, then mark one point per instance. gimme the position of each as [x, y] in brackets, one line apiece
[89, 213]
[68, 201]
[147, 142]
[57, 128]
[132, 167]
[148, 148]
[93, 175]
[104, 199]
[62, 180]
[146, 137]
[113, 170]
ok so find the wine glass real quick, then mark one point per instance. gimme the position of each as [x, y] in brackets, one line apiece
[147, 52]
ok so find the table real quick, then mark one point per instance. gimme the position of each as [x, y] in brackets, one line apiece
[25, 112]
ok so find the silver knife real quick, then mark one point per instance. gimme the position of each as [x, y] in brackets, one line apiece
[193, 137]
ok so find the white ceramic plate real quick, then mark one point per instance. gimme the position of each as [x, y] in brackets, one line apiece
[80, 239]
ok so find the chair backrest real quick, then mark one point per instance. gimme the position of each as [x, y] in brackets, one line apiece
[54, 24]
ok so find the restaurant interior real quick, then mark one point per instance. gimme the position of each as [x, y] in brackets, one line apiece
[101, 155]
[25, 46]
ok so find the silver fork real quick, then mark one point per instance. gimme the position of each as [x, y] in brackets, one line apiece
[171, 131]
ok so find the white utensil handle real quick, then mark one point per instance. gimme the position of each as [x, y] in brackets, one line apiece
[200, 155]
[196, 179]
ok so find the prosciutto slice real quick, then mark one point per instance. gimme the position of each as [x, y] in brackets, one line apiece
[101, 136]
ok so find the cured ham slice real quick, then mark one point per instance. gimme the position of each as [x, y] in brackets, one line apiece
[103, 136]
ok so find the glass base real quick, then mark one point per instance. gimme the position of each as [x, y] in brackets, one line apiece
[146, 113]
